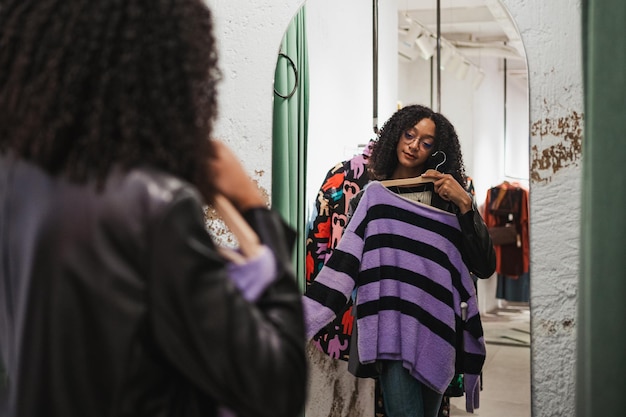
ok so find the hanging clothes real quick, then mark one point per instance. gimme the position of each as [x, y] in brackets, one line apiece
[404, 259]
[515, 289]
[506, 215]
[342, 182]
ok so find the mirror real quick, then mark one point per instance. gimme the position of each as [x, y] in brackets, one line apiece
[482, 90]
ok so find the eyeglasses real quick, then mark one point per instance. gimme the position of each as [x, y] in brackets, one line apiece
[409, 138]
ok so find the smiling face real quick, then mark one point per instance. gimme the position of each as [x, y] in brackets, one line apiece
[414, 148]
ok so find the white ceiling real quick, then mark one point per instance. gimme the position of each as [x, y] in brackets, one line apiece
[474, 27]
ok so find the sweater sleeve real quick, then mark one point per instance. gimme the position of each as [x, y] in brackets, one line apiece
[331, 290]
[254, 275]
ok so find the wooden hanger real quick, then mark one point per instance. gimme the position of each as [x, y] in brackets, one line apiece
[406, 182]
[409, 182]
[249, 243]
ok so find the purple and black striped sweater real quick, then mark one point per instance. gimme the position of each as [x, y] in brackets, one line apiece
[404, 260]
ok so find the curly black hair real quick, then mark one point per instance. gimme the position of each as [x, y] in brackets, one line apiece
[384, 158]
[88, 85]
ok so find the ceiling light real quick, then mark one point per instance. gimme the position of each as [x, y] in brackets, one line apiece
[413, 32]
[446, 55]
[455, 61]
[478, 79]
[461, 73]
[407, 52]
[425, 44]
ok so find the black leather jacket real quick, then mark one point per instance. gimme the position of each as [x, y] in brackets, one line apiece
[116, 303]
[478, 251]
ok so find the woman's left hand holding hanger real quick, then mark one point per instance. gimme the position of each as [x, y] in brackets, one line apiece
[448, 188]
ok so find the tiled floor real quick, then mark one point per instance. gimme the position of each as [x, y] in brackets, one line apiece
[506, 374]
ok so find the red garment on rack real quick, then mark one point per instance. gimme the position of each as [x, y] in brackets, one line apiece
[508, 203]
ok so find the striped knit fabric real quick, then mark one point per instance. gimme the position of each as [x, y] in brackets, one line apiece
[404, 258]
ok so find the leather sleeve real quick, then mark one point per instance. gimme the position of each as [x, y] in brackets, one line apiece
[478, 251]
[246, 356]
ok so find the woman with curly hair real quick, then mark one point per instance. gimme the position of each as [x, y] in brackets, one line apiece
[408, 267]
[114, 299]
[413, 130]
[412, 143]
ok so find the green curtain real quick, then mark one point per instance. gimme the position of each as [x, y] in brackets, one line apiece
[290, 127]
[601, 350]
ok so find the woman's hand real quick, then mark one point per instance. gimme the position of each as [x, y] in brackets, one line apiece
[449, 189]
[231, 180]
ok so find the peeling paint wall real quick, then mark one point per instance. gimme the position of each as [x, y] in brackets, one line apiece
[250, 34]
[547, 159]
[333, 391]
[216, 226]
[551, 32]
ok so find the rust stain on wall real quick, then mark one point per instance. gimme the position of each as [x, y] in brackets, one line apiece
[549, 160]
[344, 403]
[264, 193]
[552, 327]
[337, 407]
[354, 396]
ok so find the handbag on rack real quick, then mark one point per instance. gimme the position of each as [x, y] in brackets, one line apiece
[503, 235]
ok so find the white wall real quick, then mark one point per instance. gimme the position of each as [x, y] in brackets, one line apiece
[340, 100]
[487, 166]
[250, 34]
[517, 149]
[341, 80]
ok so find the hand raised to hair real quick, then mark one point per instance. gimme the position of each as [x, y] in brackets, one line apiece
[231, 180]
[449, 189]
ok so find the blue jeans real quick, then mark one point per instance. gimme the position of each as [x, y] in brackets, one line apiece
[405, 396]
